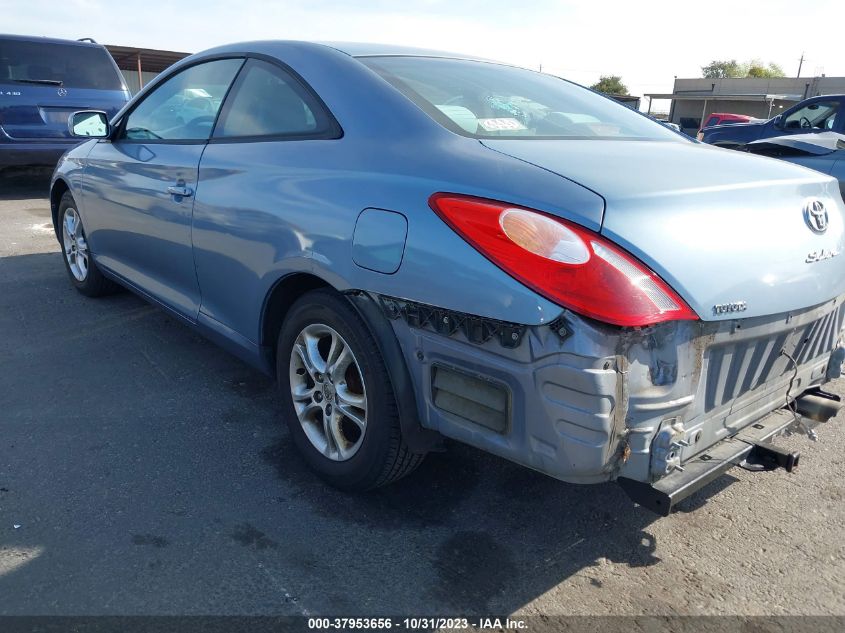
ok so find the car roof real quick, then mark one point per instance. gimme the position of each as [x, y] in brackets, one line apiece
[38, 39]
[353, 49]
[363, 49]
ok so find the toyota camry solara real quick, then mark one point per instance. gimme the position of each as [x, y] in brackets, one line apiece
[418, 245]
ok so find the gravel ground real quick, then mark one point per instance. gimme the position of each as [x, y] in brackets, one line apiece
[145, 471]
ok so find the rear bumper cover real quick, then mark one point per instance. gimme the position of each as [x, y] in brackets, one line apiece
[25, 154]
[587, 403]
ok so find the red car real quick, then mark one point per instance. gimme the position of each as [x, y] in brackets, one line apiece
[724, 118]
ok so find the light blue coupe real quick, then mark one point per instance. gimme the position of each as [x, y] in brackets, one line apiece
[418, 244]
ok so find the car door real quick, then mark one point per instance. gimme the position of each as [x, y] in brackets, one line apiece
[256, 207]
[140, 184]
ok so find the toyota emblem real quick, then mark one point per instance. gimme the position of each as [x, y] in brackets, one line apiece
[815, 214]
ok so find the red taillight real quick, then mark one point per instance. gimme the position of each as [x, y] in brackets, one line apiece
[566, 263]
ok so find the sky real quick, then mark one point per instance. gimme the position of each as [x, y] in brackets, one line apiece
[648, 44]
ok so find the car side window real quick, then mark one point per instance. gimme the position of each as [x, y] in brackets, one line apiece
[185, 106]
[267, 101]
[819, 115]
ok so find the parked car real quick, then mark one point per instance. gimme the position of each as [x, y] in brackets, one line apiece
[669, 124]
[812, 116]
[420, 245]
[724, 118]
[42, 82]
[823, 152]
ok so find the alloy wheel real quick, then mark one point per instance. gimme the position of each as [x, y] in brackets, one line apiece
[328, 392]
[75, 245]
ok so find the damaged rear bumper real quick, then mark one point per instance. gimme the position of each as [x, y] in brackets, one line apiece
[667, 408]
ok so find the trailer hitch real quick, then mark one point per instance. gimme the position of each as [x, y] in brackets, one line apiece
[750, 448]
[766, 456]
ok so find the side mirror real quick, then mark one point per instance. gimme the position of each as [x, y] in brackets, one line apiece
[89, 124]
[777, 122]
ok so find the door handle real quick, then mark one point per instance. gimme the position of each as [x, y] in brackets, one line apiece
[181, 191]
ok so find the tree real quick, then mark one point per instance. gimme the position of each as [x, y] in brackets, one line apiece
[756, 68]
[610, 85]
[719, 69]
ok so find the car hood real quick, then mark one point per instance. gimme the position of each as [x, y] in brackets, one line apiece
[720, 226]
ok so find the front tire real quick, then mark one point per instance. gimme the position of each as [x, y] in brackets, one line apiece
[80, 265]
[337, 395]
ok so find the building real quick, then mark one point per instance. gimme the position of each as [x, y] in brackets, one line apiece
[140, 65]
[628, 100]
[693, 100]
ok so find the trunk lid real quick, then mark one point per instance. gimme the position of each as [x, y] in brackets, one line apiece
[725, 229]
[40, 112]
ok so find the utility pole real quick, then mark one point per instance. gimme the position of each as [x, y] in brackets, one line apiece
[800, 63]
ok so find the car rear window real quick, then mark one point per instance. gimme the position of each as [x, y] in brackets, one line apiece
[74, 66]
[489, 100]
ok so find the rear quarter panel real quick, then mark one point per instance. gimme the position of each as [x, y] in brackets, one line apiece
[265, 210]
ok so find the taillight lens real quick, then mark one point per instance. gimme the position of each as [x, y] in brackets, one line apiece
[564, 262]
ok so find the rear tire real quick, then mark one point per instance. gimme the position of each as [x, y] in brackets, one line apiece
[80, 265]
[328, 365]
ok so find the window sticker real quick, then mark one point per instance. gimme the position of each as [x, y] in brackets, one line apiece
[497, 125]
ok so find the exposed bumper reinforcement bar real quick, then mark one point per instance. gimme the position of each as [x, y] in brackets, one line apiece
[749, 447]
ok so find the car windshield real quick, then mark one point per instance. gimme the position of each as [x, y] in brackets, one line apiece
[489, 100]
[68, 65]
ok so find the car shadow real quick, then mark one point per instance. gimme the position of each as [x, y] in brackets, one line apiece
[178, 470]
[24, 183]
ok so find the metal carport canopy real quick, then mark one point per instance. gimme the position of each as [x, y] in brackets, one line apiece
[143, 59]
[709, 96]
